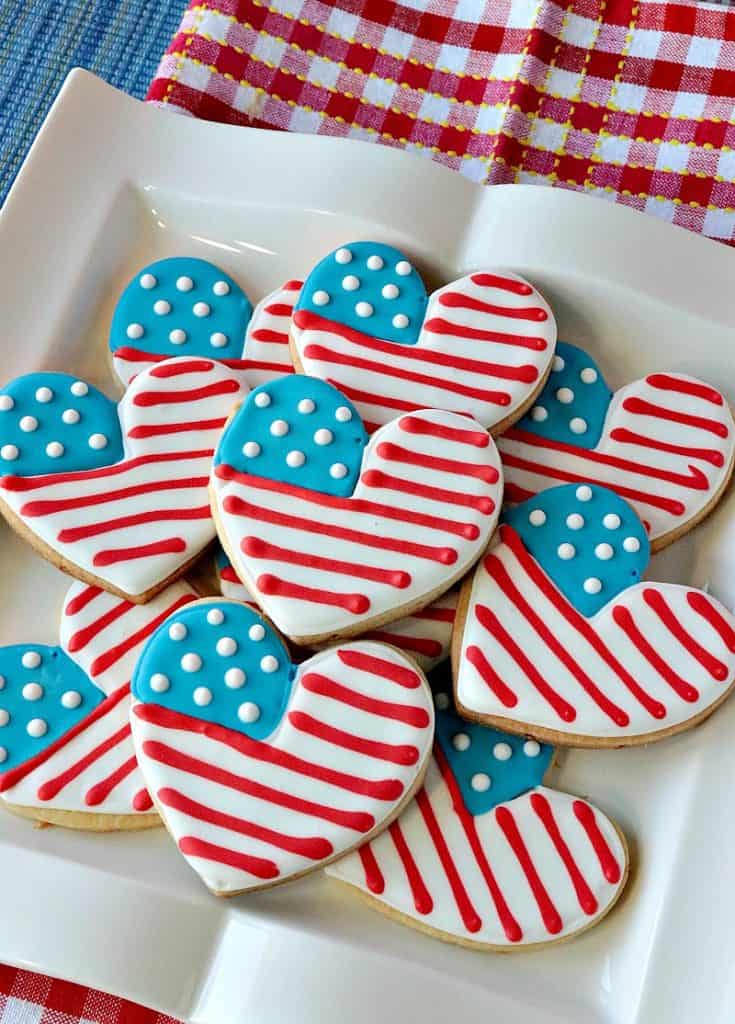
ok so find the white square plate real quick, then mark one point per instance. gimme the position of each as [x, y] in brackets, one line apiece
[111, 184]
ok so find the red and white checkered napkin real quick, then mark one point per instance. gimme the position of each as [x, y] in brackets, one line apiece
[632, 100]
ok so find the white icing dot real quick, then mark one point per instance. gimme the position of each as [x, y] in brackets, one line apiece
[79, 389]
[178, 631]
[558, 364]
[338, 471]
[54, 449]
[184, 283]
[9, 452]
[375, 263]
[31, 659]
[4, 717]
[343, 414]
[32, 691]
[481, 782]
[461, 741]
[632, 544]
[218, 339]
[221, 288]
[502, 751]
[583, 493]
[251, 449]
[71, 699]
[191, 662]
[537, 517]
[262, 399]
[148, 281]
[343, 256]
[306, 405]
[248, 712]
[226, 646]
[202, 696]
[390, 291]
[269, 663]
[235, 678]
[3, 754]
[159, 682]
[6, 403]
[611, 521]
[44, 395]
[565, 396]
[295, 459]
[350, 283]
[539, 414]
[98, 442]
[37, 728]
[531, 748]
[575, 521]
[177, 336]
[442, 701]
[588, 375]
[323, 436]
[161, 307]
[403, 268]
[604, 551]
[566, 551]
[28, 424]
[256, 632]
[400, 320]
[577, 425]
[134, 331]
[70, 416]
[279, 428]
[215, 616]
[364, 309]
[592, 585]
[201, 309]
[321, 298]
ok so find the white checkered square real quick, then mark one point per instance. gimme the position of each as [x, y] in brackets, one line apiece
[269, 49]
[613, 149]
[726, 165]
[580, 31]
[548, 135]
[688, 104]
[719, 224]
[645, 43]
[563, 83]
[196, 76]
[672, 157]
[703, 53]
[452, 57]
[434, 108]
[489, 119]
[506, 66]
[630, 97]
[397, 42]
[215, 25]
[20, 1011]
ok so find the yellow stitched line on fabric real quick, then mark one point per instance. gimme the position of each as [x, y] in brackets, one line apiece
[323, 114]
[645, 195]
[180, 56]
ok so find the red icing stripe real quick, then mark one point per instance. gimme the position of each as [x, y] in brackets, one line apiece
[699, 603]
[82, 599]
[177, 369]
[321, 685]
[376, 478]
[471, 919]
[585, 896]
[623, 617]
[490, 677]
[160, 515]
[274, 337]
[172, 545]
[398, 674]
[665, 382]
[255, 547]
[81, 637]
[98, 793]
[506, 284]
[136, 355]
[113, 654]
[436, 614]
[623, 436]
[438, 325]
[396, 453]
[459, 300]
[426, 428]
[640, 407]
[146, 399]
[657, 602]
[421, 896]
[608, 864]
[549, 913]
[369, 398]
[52, 506]
[394, 753]
[33, 483]
[54, 786]
[142, 800]
[373, 875]
[258, 866]
[272, 585]
[159, 429]
[293, 286]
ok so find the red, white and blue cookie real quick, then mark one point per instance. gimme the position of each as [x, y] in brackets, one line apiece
[66, 755]
[481, 345]
[486, 855]
[115, 494]
[264, 771]
[332, 532]
[665, 443]
[558, 637]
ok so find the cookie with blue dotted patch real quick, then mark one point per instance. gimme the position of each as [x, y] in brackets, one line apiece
[666, 443]
[115, 494]
[558, 635]
[332, 532]
[487, 855]
[263, 770]
[481, 346]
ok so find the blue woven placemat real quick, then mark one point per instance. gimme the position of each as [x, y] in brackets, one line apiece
[40, 40]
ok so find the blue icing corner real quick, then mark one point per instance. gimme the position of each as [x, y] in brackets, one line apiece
[573, 403]
[371, 279]
[221, 560]
[220, 662]
[182, 307]
[43, 693]
[490, 767]
[587, 539]
[297, 430]
[55, 423]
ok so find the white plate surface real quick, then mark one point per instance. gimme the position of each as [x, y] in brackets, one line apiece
[111, 184]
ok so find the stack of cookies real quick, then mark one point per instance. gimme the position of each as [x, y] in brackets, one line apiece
[433, 524]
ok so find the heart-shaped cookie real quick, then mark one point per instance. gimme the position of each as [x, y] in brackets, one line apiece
[557, 637]
[485, 855]
[426, 635]
[262, 770]
[333, 533]
[66, 755]
[115, 494]
[183, 306]
[481, 345]
[666, 443]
